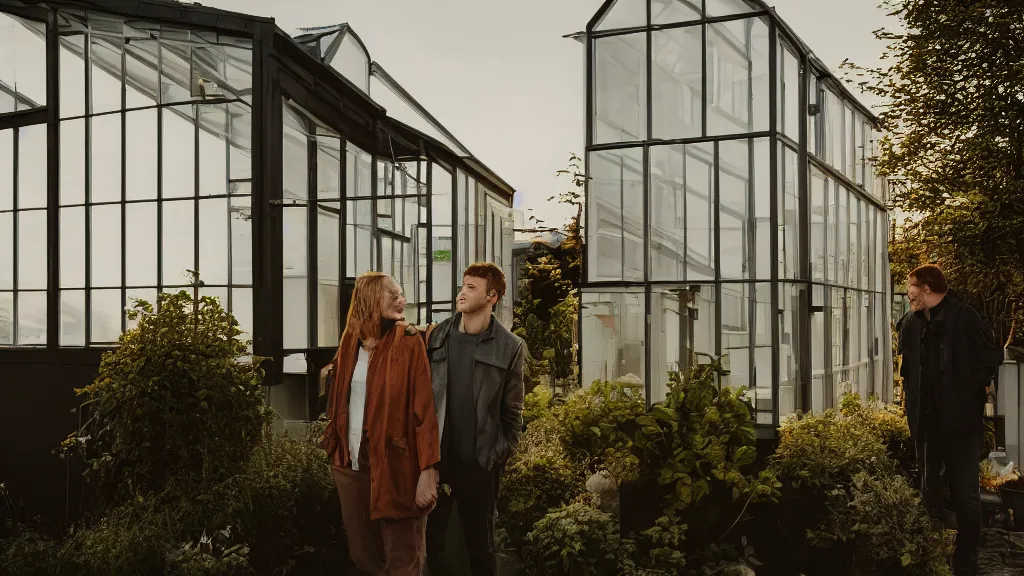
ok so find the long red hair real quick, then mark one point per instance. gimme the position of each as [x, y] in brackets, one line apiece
[364, 312]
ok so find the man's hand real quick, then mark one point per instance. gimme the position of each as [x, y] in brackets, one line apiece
[426, 489]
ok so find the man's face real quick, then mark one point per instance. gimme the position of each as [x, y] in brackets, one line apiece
[474, 295]
[917, 294]
[392, 304]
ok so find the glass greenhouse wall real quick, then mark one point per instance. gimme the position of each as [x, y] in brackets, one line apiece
[732, 209]
[142, 141]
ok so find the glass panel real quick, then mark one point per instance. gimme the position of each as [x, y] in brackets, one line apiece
[728, 7]
[72, 162]
[179, 226]
[818, 345]
[32, 166]
[175, 67]
[240, 140]
[793, 303]
[213, 151]
[624, 14]
[763, 355]
[736, 235]
[461, 201]
[441, 234]
[141, 155]
[107, 89]
[789, 214]
[683, 324]
[359, 248]
[620, 88]
[105, 238]
[105, 316]
[763, 209]
[241, 308]
[738, 81]
[859, 150]
[854, 274]
[142, 71]
[677, 83]
[106, 158]
[219, 70]
[329, 272]
[615, 215]
[328, 167]
[7, 169]
[296, 309]
[178, 154]
[31, 319]
[72, 247]
[22, 64]
[31, 245]
[241, 240]
[296, 158]
[358, 174]
[737, 335]
[790, 92]
[671, 11]
[700, 212]
[812, 121]
[834, 130]
[842, 240]
[818, 186]
[840, 376]
[141, 244]
[613, 337]
[6, 251]
[213, 240]
[72, 318]
[353, 63]
[72, 77]
[6, 319]
[850, 153]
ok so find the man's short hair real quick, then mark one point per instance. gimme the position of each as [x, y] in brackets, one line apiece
[931, 276]
[493, 275]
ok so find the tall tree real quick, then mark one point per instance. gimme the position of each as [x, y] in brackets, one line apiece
[548, 303]
[953, 148]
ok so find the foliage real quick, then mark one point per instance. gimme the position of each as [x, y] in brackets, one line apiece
[888, 423]
[598, 423]
[888, 527]
[28, 552]
[699, 448]
[954, 143]
[548, 302]
[210, 557]
[538, 478]
[172, 406]
[575, 539]
[537, 405]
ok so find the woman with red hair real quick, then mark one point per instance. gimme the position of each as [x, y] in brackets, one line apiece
[382, 438]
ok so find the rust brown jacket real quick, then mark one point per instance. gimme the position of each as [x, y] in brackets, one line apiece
[400, 420]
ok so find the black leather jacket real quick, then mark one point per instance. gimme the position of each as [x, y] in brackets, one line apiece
[499, 394]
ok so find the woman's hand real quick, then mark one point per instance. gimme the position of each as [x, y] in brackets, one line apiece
[426, 489]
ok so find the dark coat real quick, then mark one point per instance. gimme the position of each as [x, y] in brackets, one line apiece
[498, 390]
[400, 419]
[969, 358]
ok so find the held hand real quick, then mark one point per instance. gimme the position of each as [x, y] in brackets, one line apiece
[426, 489]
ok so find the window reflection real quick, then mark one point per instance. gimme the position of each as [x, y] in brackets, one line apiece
[613, 336]
[615, 215]
[677, 83]
[684, 326]
[22, 64]
[620, 88]
[738, 84]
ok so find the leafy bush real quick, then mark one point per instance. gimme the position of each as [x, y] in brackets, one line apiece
[575, 539]
[828, 449]
[537, 404]
[888, 422]
[210, 557]
[597, 420]
[883, 522]
[172, 406]
[539, 477]
[28, 553]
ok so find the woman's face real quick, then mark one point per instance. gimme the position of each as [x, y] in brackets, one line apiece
[392, 304]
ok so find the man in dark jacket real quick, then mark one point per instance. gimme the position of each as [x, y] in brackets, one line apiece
[949, 357]
[477, 370]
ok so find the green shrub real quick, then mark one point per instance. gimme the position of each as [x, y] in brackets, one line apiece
[827, 449]
[539, 477]
[131, 540]
[209, 556]
[538, 404]
[172, 406]
[598, 419]
[575, 539]
[882, 520]
[887, 421]
[28, 553]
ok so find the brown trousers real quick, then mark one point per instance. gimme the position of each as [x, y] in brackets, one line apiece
[378, 547]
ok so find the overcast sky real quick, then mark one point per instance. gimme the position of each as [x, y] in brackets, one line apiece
[500, 76]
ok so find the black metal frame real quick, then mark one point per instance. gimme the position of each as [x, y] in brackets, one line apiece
[809, 69]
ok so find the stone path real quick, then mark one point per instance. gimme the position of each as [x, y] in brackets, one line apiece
[1002, 553]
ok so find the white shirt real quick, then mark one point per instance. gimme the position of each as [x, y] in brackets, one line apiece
[357, 406]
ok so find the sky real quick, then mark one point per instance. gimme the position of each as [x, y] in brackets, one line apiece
[501, 77]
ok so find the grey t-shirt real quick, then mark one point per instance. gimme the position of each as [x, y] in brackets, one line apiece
[459, 443]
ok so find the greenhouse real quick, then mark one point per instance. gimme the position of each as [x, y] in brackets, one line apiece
[732, 209]
[143, 141]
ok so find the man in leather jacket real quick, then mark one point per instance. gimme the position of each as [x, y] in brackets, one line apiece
[949, 358]
[477, 370]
